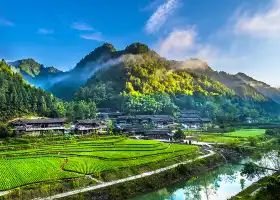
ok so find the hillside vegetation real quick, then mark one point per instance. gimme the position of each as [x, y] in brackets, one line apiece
[18, 98]
[138, 80]
[144, 82]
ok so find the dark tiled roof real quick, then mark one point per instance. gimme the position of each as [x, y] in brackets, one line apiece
[189, 116]
[157, 132]
[38, 121]
[152, 117]
[189, 120]
[129, 117]
[205, 119]
[89, 121]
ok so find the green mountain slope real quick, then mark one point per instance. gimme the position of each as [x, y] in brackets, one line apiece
[35, 73]
[18, 98]
[261, 87]
[142, 80]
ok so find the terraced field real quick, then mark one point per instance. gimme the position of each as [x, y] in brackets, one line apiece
[18, 172]
[238, 136]
[36, 163]
[247, 133]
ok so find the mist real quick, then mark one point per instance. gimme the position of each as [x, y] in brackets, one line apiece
[75, 76]
[190, 64]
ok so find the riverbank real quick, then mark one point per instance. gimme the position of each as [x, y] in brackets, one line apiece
[253, 189]
[153, 180]
[128, 189]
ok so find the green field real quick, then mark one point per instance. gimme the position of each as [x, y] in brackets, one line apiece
[32, 163]
[221, 139]
[246, 133]
[236, 137]
[17, 172]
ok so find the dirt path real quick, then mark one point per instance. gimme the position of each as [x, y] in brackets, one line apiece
[64, 163]
[106, 184]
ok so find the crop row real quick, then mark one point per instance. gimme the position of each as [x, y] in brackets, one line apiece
[17, 172]
[94, 166]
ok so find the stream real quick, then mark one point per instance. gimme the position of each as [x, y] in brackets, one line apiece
[218, 184]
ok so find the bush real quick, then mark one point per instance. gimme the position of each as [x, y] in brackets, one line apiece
[273, 132]
[5, 131]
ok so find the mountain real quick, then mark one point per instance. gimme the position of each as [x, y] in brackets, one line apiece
[261, 87]
[147, 73]
[233, 82]
[102, 57]
[138, 79]
[35, 73]
[18, 98]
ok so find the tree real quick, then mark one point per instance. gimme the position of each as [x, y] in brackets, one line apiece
[5, 131]
[273, 187]
[250, 170]
[179, 135]
[253, 141]
[92, 110]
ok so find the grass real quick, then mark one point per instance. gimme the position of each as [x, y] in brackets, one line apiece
[246, 133]
[221, 139]
[97, 166]
[18, 172]
[32, 163]
[236, 137]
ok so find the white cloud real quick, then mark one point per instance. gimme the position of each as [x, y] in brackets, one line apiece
[93, 36]
[6, 22]
[177, 43]
[151, 5]
[248, 42]
[158, 18]
[45, 31]
[81, 26]
[263, 23]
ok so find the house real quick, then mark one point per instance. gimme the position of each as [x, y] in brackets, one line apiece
[22, 126]
[90, 126]
[145, 119]
[162, 134]
[130, 119]
[158, 119]
[192, 119]
[129, 128]
[248, 120]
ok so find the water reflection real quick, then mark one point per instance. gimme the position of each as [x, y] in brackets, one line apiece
[218, 184]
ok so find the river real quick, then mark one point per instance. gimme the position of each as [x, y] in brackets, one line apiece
[219, 184]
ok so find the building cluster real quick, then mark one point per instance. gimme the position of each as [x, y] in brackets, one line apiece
[144, 126]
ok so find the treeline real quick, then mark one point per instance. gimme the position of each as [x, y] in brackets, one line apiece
[17, 98]
[146, 84]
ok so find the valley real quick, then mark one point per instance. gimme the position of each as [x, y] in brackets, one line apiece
[130, 119]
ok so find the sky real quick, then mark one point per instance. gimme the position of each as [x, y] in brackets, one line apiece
[230, 35]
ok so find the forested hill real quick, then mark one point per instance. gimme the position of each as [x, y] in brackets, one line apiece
[19, 98]
[35, 73]
[263, 88]
[143, 82]
[138, 80]
[102, 57]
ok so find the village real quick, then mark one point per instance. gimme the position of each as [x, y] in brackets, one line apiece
[160, 127]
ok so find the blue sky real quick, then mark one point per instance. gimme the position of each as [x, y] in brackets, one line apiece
[231, 35]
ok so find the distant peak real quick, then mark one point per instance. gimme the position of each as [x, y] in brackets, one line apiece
[53, 70]
[108, 46]
[242, 74]
[137, 48]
